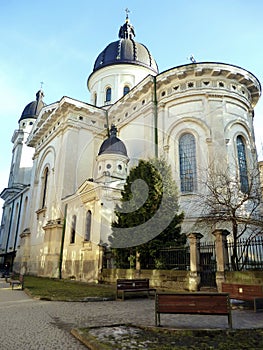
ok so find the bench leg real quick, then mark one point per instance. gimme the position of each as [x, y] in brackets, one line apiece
[157, 319]
[230, 325]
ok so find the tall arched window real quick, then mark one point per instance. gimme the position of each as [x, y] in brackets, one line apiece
[88, 226]
[44, 188]
[242, 164]
[108, 94]
[126, 89]
[24, 213]
[187, 156]
[95, 99]
[73, 229]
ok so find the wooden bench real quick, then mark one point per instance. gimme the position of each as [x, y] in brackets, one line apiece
[17, 282]
[133, 286]
[245, 292]
[192, 303]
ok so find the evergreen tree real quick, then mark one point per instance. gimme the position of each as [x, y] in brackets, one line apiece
[147, 218]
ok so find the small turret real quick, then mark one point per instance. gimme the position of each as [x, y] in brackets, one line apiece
[31, 111]
[112, 158]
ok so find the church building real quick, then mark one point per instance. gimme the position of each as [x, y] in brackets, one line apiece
[70, 159]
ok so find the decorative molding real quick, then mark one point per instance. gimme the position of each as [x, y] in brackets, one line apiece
[41, 211]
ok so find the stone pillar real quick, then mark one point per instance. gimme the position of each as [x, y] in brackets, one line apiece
[194, 279]
[221, 256]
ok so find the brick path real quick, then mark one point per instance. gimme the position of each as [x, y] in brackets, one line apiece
[29, 324]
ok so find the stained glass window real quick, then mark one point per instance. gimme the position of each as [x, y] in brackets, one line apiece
[187, 155]
[242, 163]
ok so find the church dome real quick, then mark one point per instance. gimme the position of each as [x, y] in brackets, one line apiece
[126, 51]
[113, 145]
[32, 110]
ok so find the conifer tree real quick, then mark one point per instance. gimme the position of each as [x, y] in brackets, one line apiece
[147, 217]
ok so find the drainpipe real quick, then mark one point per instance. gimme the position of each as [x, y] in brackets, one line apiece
[155, 102]
[107, 123]
[62, 241]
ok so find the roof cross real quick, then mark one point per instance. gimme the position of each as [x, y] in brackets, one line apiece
[127, 12]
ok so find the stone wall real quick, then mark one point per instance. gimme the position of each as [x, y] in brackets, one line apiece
[244, 277]
[170, 279]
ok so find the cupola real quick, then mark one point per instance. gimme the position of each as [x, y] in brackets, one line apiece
[119, 67]
[112, 158]
[31, 111]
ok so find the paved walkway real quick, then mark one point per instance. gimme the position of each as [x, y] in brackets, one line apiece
[29, 324]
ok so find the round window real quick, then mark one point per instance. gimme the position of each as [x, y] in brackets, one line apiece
[108, 166]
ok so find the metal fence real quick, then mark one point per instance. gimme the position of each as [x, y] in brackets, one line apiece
[249, 252]
[207, 264]
[169, 259]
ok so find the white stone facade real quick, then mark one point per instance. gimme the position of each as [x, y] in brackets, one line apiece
[68, 181]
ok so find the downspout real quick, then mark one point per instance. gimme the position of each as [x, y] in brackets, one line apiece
[155, 103]
[62, 241]
[107, 123]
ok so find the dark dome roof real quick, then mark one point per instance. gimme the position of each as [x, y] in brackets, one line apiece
[126, 51]
[113, 145]
[33, 108]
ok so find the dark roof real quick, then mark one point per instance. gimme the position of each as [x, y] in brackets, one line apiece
[33, 108]
[113, 145]
[126, 51]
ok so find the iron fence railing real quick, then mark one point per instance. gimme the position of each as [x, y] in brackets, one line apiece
[249, 254]
[169, 259]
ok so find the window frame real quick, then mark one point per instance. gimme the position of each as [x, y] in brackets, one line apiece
[187, 163]
[73, 229]
[108, 93]
[44, 188]
[88, 226]
[242, 163]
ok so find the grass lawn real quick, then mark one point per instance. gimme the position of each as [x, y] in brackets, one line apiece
[65, 290]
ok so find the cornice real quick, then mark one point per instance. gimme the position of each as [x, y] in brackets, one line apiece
[234, 79]
[67, 113]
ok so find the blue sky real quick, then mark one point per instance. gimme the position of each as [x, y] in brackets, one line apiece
[57, 42]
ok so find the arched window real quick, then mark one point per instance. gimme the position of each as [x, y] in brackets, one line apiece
[242, 164]
[73, 229]
[187, 156]
[126, 89]
[24, 213]
[95, 99]
[44, 188]
[108, 94]
[88, 226]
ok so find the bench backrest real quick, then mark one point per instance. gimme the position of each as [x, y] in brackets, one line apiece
[243, 291]
[202, 303]
[139, 283]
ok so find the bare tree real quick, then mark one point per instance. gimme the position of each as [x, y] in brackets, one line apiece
[235, 203]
